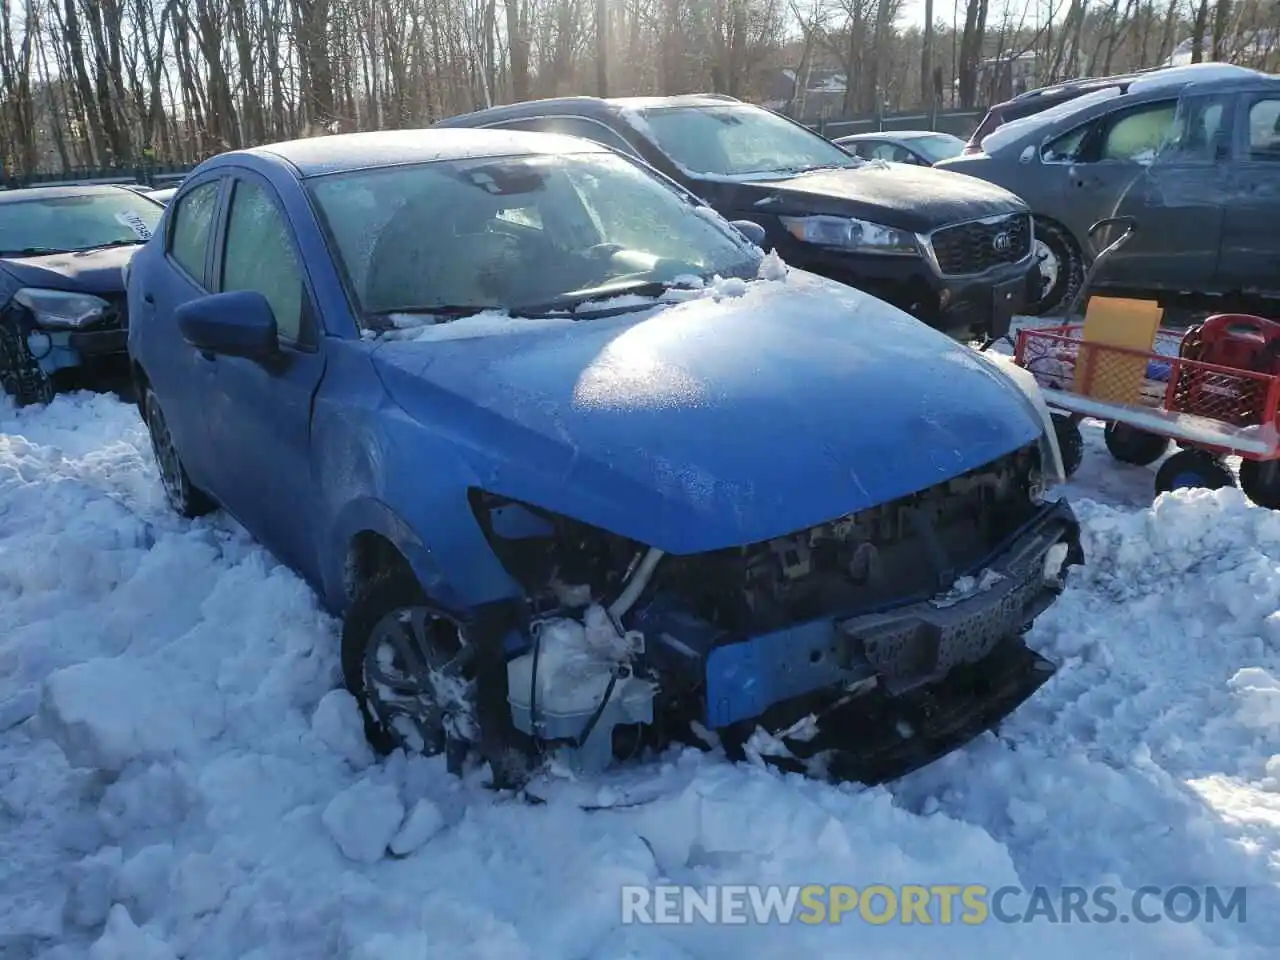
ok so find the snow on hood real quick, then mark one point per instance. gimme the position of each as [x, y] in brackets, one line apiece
[86, 271]
[748, 411]
[223, 804]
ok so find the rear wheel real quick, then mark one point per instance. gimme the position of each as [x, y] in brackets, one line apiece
[1131, 445]
[1193, 468]
[1260, 481]
[186, 499]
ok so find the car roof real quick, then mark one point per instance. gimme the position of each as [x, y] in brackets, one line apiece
[585, 107]
[68, 190]
[341, 153]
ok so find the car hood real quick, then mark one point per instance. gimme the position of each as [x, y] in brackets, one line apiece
[722, 421]
[917, 199]
[87, 271]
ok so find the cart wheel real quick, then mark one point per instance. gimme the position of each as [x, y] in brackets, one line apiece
[1131, 445]
[1070, 443]
[1193, 468]
[1260, 481]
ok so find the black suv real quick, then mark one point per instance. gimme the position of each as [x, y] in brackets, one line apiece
[955, 253]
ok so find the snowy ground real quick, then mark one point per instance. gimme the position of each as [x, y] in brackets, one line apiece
[222, 804]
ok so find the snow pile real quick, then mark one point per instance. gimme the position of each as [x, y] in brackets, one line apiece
[180, 777]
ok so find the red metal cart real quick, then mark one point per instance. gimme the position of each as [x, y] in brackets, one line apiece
[1151, 398]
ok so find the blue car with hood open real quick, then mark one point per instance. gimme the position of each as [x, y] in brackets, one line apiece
[584, 470]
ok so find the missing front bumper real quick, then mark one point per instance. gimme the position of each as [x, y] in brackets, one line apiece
[946, 670]
[879, 738]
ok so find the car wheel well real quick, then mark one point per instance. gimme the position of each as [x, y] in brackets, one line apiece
[1050, 230]
[368, 555]
[141, 383]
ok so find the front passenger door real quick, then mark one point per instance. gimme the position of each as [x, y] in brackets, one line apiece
[260, 414]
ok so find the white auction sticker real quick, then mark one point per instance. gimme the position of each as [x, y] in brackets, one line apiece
[135, 223]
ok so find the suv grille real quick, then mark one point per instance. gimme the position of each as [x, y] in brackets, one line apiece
[976, 247]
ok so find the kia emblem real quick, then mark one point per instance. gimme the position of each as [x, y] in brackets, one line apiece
[1002, 242]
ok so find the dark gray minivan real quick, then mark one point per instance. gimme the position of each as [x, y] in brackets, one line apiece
[1192, 153]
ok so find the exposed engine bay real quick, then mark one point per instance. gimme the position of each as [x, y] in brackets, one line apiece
[800, 640]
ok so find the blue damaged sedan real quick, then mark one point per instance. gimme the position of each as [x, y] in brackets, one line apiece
[583, 470]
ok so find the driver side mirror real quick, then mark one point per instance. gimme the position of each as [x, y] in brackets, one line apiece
[236, 324]
[751, 230]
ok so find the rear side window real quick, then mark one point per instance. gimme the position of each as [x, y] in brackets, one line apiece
[192, 223]
[1264, 130]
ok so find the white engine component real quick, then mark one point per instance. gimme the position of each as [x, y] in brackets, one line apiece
[575, 664]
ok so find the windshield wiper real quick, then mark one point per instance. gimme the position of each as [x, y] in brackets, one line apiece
[380, 320]
[115, 243]
[31, 251]
[606, 291]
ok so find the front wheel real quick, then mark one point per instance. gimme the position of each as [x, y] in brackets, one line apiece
[1061, 268]
[1193, 468]
[409, 666]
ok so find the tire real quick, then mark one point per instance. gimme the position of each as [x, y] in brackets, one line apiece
[415, 721]
[185, 498]
[1193, 468]
[1128, 444]
[1061, 264]
[1260, 481]
[1070, 443]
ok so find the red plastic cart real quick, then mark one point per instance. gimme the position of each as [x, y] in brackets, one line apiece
[1210, 411]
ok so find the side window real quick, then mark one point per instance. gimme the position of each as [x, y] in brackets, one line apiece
[1198, 130]
[1264, 130]
[189, 237]
[1066, 148]
[885, 151]
[259, 256]
[1137, 135]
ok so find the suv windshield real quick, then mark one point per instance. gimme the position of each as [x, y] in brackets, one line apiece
[739, 140]
[60, 224]
[522, 234]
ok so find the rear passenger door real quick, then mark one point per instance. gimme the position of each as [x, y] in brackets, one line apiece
[260, 414]
[1250, 257]
[181, 379]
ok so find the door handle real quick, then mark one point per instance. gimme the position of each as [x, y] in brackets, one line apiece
[148, 299]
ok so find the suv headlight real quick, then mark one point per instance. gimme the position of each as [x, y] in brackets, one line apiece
[60, 310]
[845, 233]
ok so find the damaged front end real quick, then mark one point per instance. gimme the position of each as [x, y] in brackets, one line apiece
[861, 648]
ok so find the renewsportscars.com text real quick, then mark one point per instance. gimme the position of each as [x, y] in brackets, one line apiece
[941, 904]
